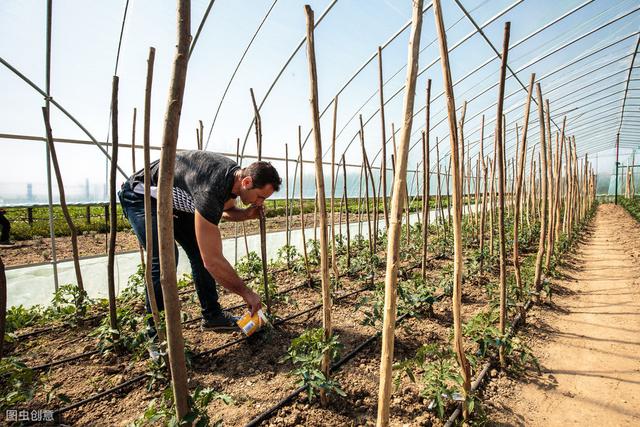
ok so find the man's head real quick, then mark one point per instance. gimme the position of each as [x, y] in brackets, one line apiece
[257, 182]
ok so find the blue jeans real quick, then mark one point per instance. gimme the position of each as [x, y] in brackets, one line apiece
[185, 234]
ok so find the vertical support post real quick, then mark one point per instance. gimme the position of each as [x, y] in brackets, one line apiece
[346, 202]
[458, 263]
[148, 207]
[334, 263]
[324, 248]
[395, 221]
[617, 165]
[52, 234]
[383, 160]
[262, 219]
[286, 202]
[113, 210]
[543, 185]
[500, 141]
[304, 240]
[165, 212]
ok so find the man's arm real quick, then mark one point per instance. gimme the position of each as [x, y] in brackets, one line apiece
[210, 244]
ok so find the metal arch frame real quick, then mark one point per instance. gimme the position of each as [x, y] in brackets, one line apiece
[60, 107]
[286, 64]
[554, 51]
[235, 71]
[633, 58]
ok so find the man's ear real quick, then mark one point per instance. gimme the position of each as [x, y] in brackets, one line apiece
[247, 183]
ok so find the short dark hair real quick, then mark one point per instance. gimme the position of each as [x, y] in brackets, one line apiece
[263, 173]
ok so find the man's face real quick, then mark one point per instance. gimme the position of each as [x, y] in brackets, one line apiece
[254, 196]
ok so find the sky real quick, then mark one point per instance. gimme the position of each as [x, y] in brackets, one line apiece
[84, 48]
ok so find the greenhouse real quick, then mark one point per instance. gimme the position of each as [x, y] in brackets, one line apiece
[390, 213]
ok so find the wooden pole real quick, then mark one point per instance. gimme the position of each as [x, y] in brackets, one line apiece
[165, 213]
[113, 208]
[543, 184]
[334, 263]
[133, 166]
[425, 182]
[550, 190]
[383, 160]
[501, 190]
[395, 221]
[522, 151]
[286, 201]
[3, 306]
[148, 220]
[304, 240]
[346, 198]
[324, 245]
[63, 204]
[133, 140]
[366, 189]
[262, 219]
[458, 262]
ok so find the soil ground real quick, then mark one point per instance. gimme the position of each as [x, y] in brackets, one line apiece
[587, 341]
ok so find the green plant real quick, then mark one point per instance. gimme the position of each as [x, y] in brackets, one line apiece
[130, 335]
[68, 304]
[19, 383]
[435, 369]
[306, 353]
[313, 251]
[250, 265]
[135, 290]
[482, 330]
[160, 411]
[22, 317]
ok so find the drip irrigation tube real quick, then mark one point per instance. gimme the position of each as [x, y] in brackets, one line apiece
[196, 356]
[92, 352]
[289, 398]
[101, 315]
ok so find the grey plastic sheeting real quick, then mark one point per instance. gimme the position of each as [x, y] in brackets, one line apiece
[34, 285]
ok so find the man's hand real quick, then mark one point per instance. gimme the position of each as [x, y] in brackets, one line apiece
[253, 301]
[253, 212]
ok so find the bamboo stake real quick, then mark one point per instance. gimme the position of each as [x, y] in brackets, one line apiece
[3, 306]
[483, 212]
[133, 141]
[334, 263]
[346, 198]
[133, 166]
[492, 203]
[500, 141]
[447, 179]
[63, 205]
[262, 219]
[543, 184]
[165, 214]
[148, 220]
[113, 209]
[383, 166]
[304, 240]
[286, 202]
[425, 182]
[395, 221]
[369, 174]
[324, 258]
[366, 188]
[200, 145]
[439, 194]
[463, 113]
[360, 200]
[458, 263]
[522, 151]
[550, 190]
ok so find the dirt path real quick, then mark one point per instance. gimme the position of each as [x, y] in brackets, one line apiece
[590, 347]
